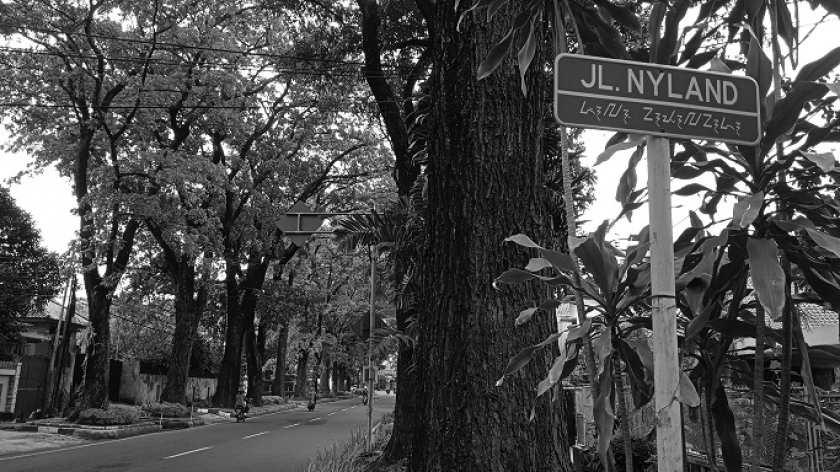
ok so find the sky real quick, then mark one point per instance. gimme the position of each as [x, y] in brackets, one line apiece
[48, 197]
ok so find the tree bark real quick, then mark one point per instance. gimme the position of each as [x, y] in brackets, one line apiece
[189, 306]
[279, 385]
[485, 182]
[230, 370]
[301, 381]
[405, 174]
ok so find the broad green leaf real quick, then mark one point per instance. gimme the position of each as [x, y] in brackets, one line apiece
[747, 210]
[550, 305]
[497, 4]
[517, 362]
[698, 322]
[525, 315]
[627, 183]
[834, 88]
[717, 65]
[788, 30]
[579, 331]
[657, 17]
[823, 160]
[526, 54]
[604, 417]
[603, 347]
[537, 264]
[767, 275]
[600, 261]
[787, 110]
[692, 189]
[759, 68]
[825, 241]
[514, 276]
[559, 260]
[495, 56]
[687, 393]
[523, 240]
[795, 225]
[725, 426]
[621, 15]
[562, 367]
[643, 349]
[669, 42]
[632, 141]
[819, 68]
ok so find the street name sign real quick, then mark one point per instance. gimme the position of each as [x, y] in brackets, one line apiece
[642, 98]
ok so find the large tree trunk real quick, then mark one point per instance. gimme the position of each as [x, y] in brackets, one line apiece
[252, 355]
[279, 385]
[97, 369]
[326, 369]
[405, 173]
[254, 280]
[301, 381]
[188, 309]
[231, 367]
[485, 182]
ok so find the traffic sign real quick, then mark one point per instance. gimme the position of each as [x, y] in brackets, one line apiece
[361, 328]
[636, 97]
[300, 222]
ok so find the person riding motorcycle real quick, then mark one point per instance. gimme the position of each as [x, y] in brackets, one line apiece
[241, 402]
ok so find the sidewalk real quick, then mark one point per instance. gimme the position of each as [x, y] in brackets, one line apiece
[23, 438]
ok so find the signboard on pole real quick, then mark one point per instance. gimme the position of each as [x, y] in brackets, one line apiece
[636, 97]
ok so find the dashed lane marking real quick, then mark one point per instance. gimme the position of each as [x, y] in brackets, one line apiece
[315, 419]
[189, 452]
[255, 435]
[291, 426]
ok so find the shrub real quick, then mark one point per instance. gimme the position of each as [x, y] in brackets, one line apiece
[273, 400]
[167, 410]
[206, 403]
[114, 415]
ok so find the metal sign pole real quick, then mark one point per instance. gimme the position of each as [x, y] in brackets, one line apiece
[370, 347]
[666, 374]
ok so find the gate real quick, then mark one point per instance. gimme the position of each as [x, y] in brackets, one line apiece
[33, 379]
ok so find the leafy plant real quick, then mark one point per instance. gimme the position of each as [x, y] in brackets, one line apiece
[113, 415]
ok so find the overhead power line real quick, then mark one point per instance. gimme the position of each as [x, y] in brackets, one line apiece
[303, 71]
[181, 46]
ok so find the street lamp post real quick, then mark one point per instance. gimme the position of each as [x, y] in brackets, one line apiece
[301, 223]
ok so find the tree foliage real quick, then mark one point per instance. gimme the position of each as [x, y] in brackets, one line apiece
[29, 274]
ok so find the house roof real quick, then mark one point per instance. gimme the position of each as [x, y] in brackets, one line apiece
[813, 316]
[52, 311]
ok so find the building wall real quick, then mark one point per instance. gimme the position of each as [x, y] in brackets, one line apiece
[142, 389]
[9, 372]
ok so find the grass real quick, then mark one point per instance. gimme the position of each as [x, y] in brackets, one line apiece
[352, 455]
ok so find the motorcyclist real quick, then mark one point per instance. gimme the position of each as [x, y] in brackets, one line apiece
[241, 402]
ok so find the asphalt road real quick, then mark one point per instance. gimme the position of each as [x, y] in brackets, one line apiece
[277, 442]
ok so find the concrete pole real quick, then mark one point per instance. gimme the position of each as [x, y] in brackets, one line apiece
[666, 372]
[370, 346]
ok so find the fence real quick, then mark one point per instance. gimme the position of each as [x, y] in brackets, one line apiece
[810, 449]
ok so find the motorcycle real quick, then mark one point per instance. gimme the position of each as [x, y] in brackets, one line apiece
[312, 399]
[239, 412]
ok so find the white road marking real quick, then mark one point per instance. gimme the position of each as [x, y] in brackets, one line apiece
[254, 435]
[291, 426]
[332, 413]
[189, 452]
[315, 419]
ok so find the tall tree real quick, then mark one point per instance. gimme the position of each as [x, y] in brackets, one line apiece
[485, 182]
[29, 275]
